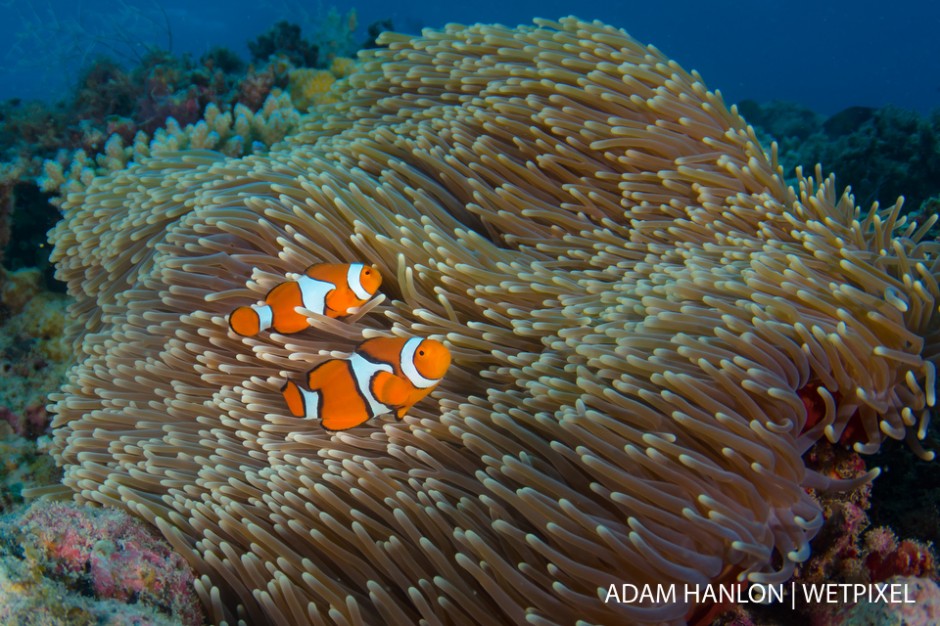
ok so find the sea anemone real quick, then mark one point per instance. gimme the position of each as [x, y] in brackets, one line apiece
[633, 297]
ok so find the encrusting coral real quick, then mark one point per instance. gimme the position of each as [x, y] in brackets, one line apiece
[309, 86]
[633, 298]
[64, 564]
[34, 355]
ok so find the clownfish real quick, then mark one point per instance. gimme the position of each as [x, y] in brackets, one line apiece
[383, 375]
[331, 289]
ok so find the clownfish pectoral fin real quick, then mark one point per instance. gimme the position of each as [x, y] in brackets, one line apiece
[402, 411]
[300, 402]
[337, 313]
[390, 389]
[355, 283]
[248, 321]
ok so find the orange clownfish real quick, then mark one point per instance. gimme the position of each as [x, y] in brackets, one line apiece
[330, 289]
[383, 375]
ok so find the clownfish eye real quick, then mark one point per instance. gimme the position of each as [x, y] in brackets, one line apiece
[368, 271]
[420, 352]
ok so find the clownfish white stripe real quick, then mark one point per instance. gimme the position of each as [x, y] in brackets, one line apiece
[265, 315]
[363, 370]
[352, 280]
[408, 368]
[311, 400]
[313, 293]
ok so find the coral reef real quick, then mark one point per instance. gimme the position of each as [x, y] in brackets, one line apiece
[164, 102]
[636, 303]
[181, 106]
[341, 67]
[115, 115]
[848, 550]
[335, 34]
[30, 129]
[26, 462]
[284, 39]
[70, 564]
[234, 133]
[106, 89]
[34, 353]
[885, 557]
[34, 358]
[309, 87]
[881, 153]
[924, 610]
[837, 553]
[121, 115]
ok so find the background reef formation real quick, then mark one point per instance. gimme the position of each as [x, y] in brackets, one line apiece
[637, 305]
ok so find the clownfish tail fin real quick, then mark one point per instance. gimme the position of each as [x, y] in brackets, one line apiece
[248, 321]
[300, 402]
[294, 398]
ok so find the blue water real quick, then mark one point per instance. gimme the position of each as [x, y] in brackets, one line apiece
[845, 53]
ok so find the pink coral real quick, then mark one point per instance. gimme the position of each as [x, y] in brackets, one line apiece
[836, 550]
[257, 84]
[32, 422]
[888, 558]
[107, 552]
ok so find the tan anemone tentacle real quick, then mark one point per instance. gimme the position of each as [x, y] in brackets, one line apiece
[633, 297]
